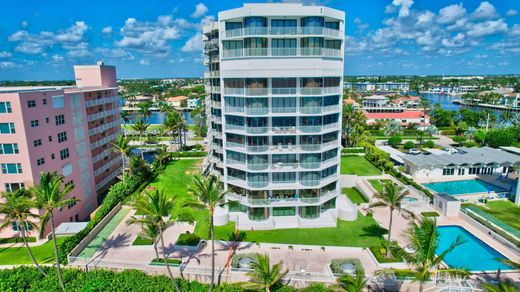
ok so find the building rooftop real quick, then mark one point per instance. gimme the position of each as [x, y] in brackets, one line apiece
[375, 97]
[469, 156]
[177, 98]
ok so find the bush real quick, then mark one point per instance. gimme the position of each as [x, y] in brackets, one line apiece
[353, 150]
[429, 144]
[448, 132]
[190, 239]
[16, 240]
[380, 255]
[335, 265]
[471, 144]
[459, 139]
[430, 214]
[236, 258]
[142, 241]
[394, 141]
[189, 154]
[409, 145]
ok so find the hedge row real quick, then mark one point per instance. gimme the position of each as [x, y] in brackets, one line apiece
[353, 150]
[28, 278]
[16, 240]
[189, 154]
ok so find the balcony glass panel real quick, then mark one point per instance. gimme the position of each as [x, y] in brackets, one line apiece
[284, 211]
[310, 212]
[284, 177]
[283, 26]
[312, 21]
[258, 214]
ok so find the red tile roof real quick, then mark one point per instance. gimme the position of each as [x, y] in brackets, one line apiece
[399, 115]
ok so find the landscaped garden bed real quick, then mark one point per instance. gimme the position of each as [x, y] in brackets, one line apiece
[188, 239]
[346, 266]
[380, 255]
[354, 195]
[142, 241]
[160, 262]
[243, 261]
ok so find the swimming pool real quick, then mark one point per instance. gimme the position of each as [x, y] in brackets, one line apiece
[473, 254]
[410, 199]
[464, 187]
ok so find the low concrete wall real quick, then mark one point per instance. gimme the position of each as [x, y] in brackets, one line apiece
[83, 243]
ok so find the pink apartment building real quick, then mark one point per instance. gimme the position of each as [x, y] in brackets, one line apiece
[65, 129]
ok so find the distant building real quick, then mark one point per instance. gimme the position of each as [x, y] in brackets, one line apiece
[193, 103]
[177, 101]
[378, 86]
[64, 129]
[405, 118]
[407, 101]
[453, 89]
[375, 101]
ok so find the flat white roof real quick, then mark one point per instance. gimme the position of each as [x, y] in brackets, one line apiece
[67, 228]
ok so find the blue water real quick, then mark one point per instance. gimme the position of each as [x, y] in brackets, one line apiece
[473, 254]
[158, 118]
[463, 187]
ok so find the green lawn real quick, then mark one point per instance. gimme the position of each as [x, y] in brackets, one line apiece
[364, 232]
[354, 195]
[378, 184]
[175, 181]
[505, 211]
[44, 254]
[358, 165]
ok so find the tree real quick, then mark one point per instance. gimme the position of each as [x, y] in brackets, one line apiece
[353, 283]
[155, 207]
[263, 276]
[125, 116]
[393, 128]
[210, 193]
[470, 133]
[409, 145]
[144, 110]
[50, 195]
[390, 197]
[354, 122]
[171, 123]
[161, 157]
[423, 239]
[395, 141]
[462, 127]
[431, 130]
[16, 208]
[122, 147]
[140, 126]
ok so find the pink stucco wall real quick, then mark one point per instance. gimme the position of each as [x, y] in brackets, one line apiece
[95, 75]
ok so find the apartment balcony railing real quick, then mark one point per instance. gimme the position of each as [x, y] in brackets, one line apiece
[281, 52]
[234, 109]
[280, 110]
[258, 184]
[310, 110]
[310, 182]
[103, 114]
[235, 145]
[290, 201]
[105, 127]
[104, 100]
[310, 165]
[235, 127]
[216, 103]
[257, 166]
[257, 148]
[257, 110]
[319, 31]
[257, 130]
[310, 129]
[281, 91]
[215, 89]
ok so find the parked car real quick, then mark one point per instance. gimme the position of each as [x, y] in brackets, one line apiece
[414, 151]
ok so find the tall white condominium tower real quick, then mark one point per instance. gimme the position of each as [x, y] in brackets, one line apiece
[274, 79]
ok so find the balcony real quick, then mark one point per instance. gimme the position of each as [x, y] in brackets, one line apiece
[310, 129]
[257, 110]
[281, 91]
[257, 166]
[282, 201]
[281, 52]
[280, 31]
[257, 130]
[257, 148]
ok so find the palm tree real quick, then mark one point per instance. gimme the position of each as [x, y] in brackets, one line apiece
[263, 276]
[155, 207]
[16, 208]
[171, 121]
[122, 146]
[125, 116]
[161, 157]
[50, 195]
[140, 126]
[144, 110]
[424, 261]
[353, 283]
[470, 132]
[210, 193]
[393, 128]
[502, 286]
[431, 130]
[390, 197]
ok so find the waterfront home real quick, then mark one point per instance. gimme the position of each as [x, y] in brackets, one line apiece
[375, 102]
[405, 118]
[377, 86]
[407, 101]
[177, 101]
[193, 103]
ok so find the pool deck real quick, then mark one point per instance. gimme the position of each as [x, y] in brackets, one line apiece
[488, 239]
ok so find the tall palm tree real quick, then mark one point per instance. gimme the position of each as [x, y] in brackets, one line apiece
[155, 207]
[424, 261]
[210, 193]
[125, 116]
[122, 147]
[171, 122]
[50, 195]
[353, 283]
[390, 197]
[263, 276]
[16, 208]
[144, 110]
[140, 126]
[161, 157]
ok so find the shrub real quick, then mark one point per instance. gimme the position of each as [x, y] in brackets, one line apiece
[335, 265]
[236, 258]
[430, 214]
[429, 144]
[459, 139]
[394, 141]
[160, 262]
[471, 144]
[353, 150]
[142, 241]
[16, 240]
[380, 255]
[189, 154]
[409, 145]
[190, 239]
[448, 132]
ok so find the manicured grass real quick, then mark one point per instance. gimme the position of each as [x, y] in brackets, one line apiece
[142, 241]
[364, 232]
[190, 239]
[44, 254]
[354, 195]
[358, 165]
[378, 184]
[175, 181]
[505, 211]
[430, 214]
[160, 262]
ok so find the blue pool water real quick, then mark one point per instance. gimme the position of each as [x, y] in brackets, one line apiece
[463, 187]
[473, 254]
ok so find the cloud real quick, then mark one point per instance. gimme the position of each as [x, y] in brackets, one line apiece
[451, 13]
[106, 30]
[8, 65]
[485, 10]
[38, 43]
[360, 25]
[144, 62]
[200, 10]
[57, 58]
[193, 44]
[511, 12]
[404, 6]
[115, 53]
[5, 54]
[486, 28]
[24, 24]
[149, 37]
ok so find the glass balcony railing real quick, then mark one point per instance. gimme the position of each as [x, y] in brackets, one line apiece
[235, 127]
[257, 148]
[310, 165]
[281, 52]
[257, 130]
[235, 145]
[310, 182]
[310, 110]
[310, 147]
[257, 110]
[281, 91]
[283, 109]
[253, 52]
[233, 109]
[257, 184]
[310, 129]
[283, 30]
[318, 31]
[256, 91]
[257, 166]
[284, 51]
